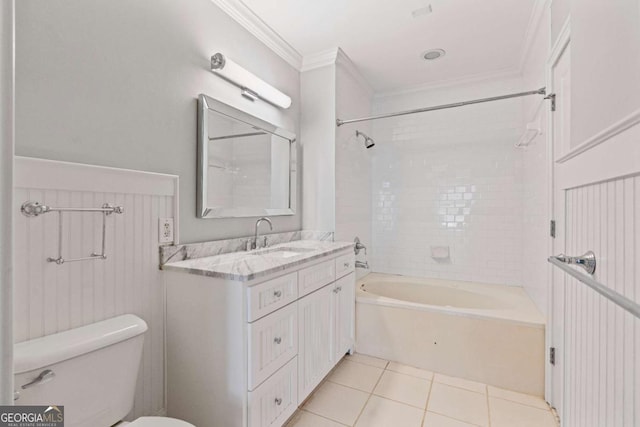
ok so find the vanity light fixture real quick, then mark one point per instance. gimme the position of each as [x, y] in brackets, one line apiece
[252, 87]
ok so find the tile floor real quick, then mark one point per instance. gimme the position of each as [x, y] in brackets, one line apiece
[363, 391]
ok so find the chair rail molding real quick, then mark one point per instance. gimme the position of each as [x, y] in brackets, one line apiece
[603, 136]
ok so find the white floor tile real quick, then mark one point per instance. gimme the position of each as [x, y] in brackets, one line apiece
[525, 399]
[510, 414]
[367, 360]
[409, 370]
[336, 402]
[458, 403]
[356, 375]
[307, 419]
[436, 420]
[381, 412]
[461, 383]
[403, 388]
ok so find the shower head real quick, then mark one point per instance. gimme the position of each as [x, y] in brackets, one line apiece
[368, 142]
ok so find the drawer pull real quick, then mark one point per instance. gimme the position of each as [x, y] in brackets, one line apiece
[277, 340]
[277, 293]
[347, 264]
[337, 289]
[278, 401]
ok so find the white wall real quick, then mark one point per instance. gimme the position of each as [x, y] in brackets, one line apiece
[605, 64]
[337, 166]
[535, 174]
[353, 160]
[560, 10]
[6, 193]
[317, 138]
[449, 178]
[115, 82]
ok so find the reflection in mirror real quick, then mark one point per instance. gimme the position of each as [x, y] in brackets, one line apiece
[246, 165]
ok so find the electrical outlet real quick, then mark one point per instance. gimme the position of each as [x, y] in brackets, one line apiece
[165, 230]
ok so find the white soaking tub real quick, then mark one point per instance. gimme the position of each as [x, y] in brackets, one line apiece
[488, 333]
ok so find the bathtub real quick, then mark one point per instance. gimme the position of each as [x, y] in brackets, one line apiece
[488, 333]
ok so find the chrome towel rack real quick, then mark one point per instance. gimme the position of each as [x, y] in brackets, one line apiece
[588, 262]
[34, 209]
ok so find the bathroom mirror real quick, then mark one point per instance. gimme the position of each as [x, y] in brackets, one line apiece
[246, 166]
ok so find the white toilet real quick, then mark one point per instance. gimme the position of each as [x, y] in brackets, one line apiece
[91, 370]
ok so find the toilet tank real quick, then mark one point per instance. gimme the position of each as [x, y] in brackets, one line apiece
[95, 368]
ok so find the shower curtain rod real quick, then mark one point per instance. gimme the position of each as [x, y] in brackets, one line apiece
[541, 91]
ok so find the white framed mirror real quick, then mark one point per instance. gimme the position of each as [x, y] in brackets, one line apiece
[246, 166]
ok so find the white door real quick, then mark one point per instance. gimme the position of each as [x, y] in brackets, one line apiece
[596, 193]
[345, 304]
[559, 120]
[315, 339]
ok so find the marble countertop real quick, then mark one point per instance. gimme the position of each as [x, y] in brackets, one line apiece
[245, 266]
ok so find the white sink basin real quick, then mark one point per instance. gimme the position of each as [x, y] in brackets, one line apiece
[284, 252]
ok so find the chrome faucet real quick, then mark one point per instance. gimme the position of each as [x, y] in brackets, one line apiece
[255, 239]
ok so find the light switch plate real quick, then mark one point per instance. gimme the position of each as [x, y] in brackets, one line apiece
[165, 230]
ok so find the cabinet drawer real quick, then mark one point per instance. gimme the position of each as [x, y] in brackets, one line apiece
[345, 264]
[312, 278]
[269, 296]
[275, 400]
[273, 341]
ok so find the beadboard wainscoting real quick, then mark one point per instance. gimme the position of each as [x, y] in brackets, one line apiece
[602, 340]
[51, 298]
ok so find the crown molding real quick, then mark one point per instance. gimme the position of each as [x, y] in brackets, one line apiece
[244, 16]
[506, 73]
[539, 9]
[336, 56]
[346, 62]
[319, 59]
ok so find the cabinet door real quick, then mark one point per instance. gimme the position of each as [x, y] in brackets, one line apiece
[345, 304]
[273, 341]
[275, 400]
[315, 339]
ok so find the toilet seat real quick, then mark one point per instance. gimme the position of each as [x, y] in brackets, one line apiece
[159, 422]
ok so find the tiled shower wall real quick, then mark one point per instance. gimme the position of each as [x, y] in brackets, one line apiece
[451, 179]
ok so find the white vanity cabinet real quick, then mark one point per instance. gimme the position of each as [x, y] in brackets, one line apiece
[316, 332]
[248, 353]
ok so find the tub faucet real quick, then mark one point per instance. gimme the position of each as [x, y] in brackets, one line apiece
[255, 239]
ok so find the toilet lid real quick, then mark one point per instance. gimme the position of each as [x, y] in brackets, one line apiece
[159, 422]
